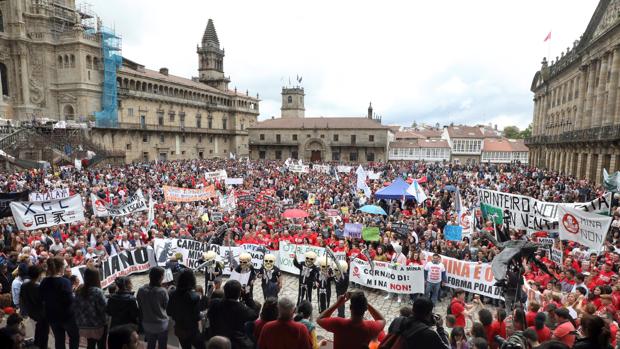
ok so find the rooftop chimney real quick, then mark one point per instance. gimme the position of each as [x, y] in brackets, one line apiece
[163, 71]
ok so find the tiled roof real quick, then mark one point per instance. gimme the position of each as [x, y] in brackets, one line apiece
[320, 122]
[503, 144]
[156, 75]
[465, 132]
[419, 134]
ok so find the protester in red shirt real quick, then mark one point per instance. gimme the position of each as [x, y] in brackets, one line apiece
[459, 308]
[542, 331]
[284, 333]
[354, 332]
[532, 310]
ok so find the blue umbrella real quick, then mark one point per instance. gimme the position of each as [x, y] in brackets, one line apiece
[373, 209]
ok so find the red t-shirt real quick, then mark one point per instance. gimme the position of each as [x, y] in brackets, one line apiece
[544, 334]
[457, 309]
[530, 316]
[499, 328]
[349, 334]
[283, 335]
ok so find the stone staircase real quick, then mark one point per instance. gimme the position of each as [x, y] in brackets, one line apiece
[26, 147]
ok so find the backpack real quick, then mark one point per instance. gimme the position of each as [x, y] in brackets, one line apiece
[449, 308]
[398, 339]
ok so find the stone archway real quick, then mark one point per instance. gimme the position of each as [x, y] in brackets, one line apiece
[314, 150]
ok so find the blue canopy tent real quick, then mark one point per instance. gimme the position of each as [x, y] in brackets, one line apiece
[395, 191]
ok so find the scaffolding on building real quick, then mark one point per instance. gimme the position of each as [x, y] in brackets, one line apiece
[112, 61]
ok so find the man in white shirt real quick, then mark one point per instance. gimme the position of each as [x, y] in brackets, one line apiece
[399, 259]
[435, 275]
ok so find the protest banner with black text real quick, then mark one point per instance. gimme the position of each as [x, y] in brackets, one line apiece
[176, 194]
[53, 194]
[389, 277]
[586, 228]
[531, 214]
[37, 215]
[122, 264]
[471, 276]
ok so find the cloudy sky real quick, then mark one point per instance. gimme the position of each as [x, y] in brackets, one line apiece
[416, 60]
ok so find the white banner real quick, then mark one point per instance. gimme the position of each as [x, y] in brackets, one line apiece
[556, 255]
[233, 181]
[321, 168]
[471, 276]
[134, 203]
[122, 264]
[531, 214]
[192, 251]
[176, 194]
[288, 252]
[221, 174]
[588, 229]
[54, 194]
[346, 169]
[37, 215]
[404, 279]
[373, 175]
[299, 168]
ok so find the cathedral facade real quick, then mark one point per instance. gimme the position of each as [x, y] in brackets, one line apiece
[58, 62]
[576, 124]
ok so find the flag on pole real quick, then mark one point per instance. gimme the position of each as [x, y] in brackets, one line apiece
[548, 37]
[151, 215]
[458, 205]
[417, 192]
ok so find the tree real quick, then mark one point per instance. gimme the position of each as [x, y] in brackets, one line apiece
[512, 132]
[527, 133]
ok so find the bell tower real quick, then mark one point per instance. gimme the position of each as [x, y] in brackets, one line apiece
[293, 102]
[211, 60]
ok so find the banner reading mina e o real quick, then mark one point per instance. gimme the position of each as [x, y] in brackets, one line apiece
[470, 276]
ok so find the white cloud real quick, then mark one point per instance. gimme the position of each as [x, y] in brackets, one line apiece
[431, 61]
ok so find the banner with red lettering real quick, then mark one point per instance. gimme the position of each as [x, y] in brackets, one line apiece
[470, 276]
[389, 277]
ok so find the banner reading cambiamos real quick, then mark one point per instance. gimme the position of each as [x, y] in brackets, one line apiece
[192, 251]
[388, 277]
[121, 264]
[176, 194]
[288, 251]
[471, 276]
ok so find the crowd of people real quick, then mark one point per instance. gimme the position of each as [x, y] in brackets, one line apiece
[579, 304]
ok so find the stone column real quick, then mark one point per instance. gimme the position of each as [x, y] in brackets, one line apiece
[583, 77]
[24, 78]
[612, 162]
[600, 93]
[612, 99]
[587, 118]
[588, 165]
[599, 168]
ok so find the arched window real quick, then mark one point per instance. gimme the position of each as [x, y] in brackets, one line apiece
[59, 61]
[96, 63]
[72, 61]
[68, 112]
[4, 79]
[66, 61]
[290, 99]
[1, 22]
[89, 62]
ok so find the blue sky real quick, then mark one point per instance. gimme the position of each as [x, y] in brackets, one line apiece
[429, 61]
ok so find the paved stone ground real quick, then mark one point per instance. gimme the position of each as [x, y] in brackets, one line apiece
[388, 307]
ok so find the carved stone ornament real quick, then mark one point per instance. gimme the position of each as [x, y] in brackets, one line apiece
[37, 95]
[67, 98]
[611, 16]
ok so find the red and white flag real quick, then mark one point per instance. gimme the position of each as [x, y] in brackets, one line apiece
[548, 37]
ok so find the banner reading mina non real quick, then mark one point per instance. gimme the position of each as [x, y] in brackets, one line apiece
[405, 279]
[470, 276]
[534, 215]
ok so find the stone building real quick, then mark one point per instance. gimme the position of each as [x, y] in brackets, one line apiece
[321, 139]
[576, 122]
[58, 62]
